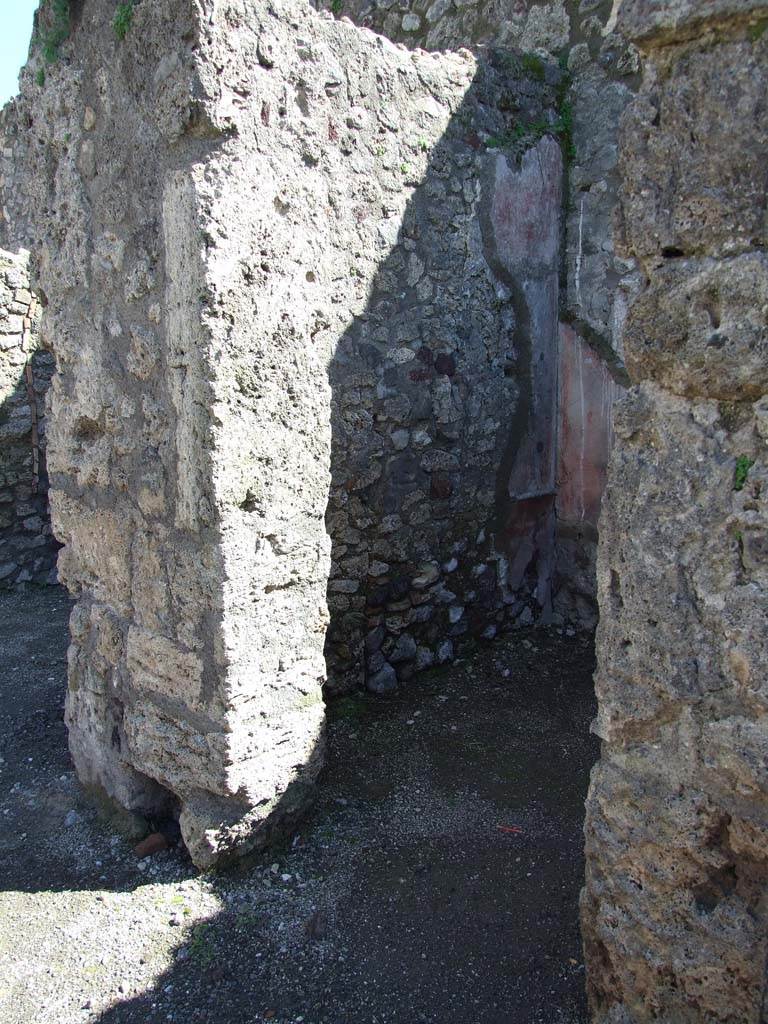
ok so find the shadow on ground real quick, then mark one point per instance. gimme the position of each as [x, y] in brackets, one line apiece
[436, 880]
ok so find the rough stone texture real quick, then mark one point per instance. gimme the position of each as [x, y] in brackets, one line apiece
[444, 398]
[603, 69]
[235, 337]
[325, 264]
[234, 296]
[193, 533]
[650, 22]
[27, 547]
[597, 284]
[694, 172]
[700, 328]
[450, 24]
[674, 912]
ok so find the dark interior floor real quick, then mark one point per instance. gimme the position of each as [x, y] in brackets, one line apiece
[437, 879]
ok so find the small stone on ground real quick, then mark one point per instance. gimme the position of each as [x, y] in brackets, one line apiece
[436, 880]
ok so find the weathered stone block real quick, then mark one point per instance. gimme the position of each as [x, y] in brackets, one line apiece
[692, 155]
[654, 21]
[700, 328]
[674, 916]
[160, 668]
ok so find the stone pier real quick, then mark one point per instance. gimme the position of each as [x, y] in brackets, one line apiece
[675, 917]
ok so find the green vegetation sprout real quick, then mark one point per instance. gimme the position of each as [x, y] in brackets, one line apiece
[123, 20]
[529, 132]
[55, 32]
[201, 945]
[743, 466]
[533, 65]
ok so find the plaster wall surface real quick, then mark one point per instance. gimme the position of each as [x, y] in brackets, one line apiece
[588, 392]
[674, 911]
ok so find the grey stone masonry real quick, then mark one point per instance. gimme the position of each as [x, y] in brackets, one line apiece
[600, 75]
[444, 386]
[281, 257]
[27, 548]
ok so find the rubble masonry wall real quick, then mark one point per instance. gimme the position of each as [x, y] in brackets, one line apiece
[27, 548]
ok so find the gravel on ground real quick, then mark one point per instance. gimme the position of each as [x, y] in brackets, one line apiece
[436, 879]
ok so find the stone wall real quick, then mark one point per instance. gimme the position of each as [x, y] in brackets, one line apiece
[312, 261]
[594, 286]
[602, 70]
[188, 455]
[27, 548]
[316, 263]
[524, 25]
[675, 918]
[444, 387]
[595, 283]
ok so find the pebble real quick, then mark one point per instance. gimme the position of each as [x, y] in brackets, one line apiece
[154, 843]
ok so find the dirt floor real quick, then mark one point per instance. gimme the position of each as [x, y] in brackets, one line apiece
[436, 880]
